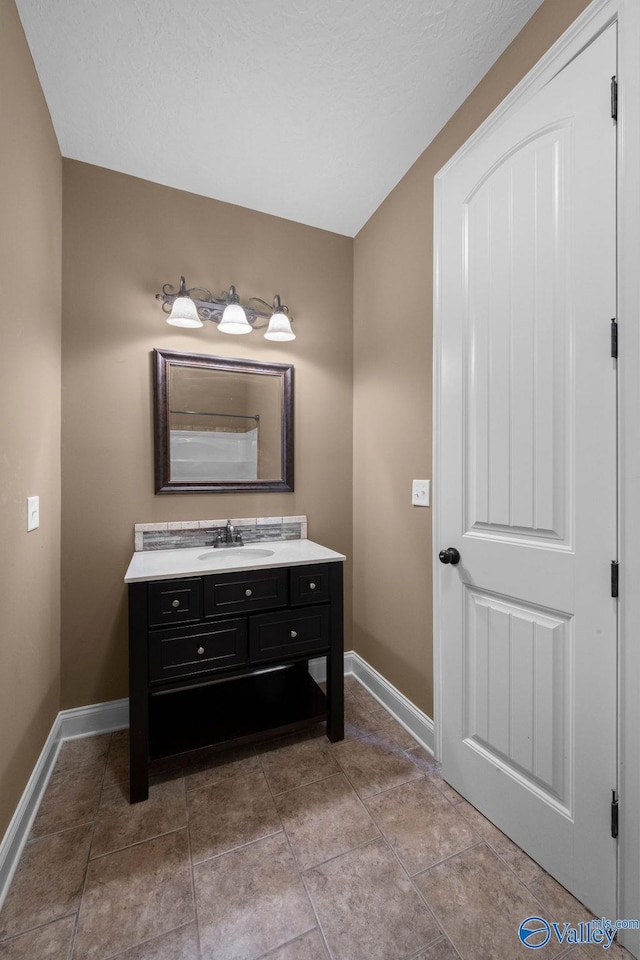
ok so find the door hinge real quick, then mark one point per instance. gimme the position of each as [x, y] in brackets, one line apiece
[614, 814]
[614, 98]
[614, 339]
[614, 578]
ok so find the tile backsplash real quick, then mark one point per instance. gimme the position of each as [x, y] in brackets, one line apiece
[201, 533]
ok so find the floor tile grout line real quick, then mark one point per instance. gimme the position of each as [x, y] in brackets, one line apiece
[482, 841]
[420, 895]
[81, 898]
[69, 773]
[323, 935]
[501, 858]
[343, 853]
[459, 798]
[336, 856]
[141, 943]
[136, 843]
[56, 833]
[479, 842]
[239, 846]
[379, 792]
[443, 939]
[38, 926]
[309, 898]
[191, 870]
[307, 783]
[435, 864]
[434, 913]
[511, 868]
[274, 950]
[72, 941]
[217, 783]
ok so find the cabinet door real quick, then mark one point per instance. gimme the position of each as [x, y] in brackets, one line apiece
[189, 651]
[291, 633]
[245, 590]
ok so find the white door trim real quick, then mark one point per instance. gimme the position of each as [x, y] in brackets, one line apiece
[592, 21]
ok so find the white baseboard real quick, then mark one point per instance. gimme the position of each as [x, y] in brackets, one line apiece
[68, 725]
[114, 715]
[18, 830]
[94, 719]
[419, 725]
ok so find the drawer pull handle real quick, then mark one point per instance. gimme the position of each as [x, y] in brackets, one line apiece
[200, 650]
[175, 603]
[293, 634]
[248, 593]
[312, 586]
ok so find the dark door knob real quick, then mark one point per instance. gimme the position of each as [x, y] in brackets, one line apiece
[450, 555]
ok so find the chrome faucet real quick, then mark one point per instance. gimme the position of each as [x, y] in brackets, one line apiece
[230, 538]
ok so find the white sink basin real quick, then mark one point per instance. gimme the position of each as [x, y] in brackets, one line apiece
[235, 552]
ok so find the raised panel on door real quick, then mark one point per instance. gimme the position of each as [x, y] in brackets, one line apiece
[519, 374]
[518, 681]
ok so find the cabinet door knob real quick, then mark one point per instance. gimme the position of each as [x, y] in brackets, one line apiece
[200, 650]
[293, 634]
[175, 603]
[248, 593]
[312, 586]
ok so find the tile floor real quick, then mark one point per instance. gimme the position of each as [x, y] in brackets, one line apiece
[300, 850]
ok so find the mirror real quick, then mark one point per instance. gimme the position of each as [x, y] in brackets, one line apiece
[222, 425]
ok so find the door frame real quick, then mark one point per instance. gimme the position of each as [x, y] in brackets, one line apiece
[595, 18]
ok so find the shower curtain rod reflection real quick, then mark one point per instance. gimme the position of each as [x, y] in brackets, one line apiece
[236, 416]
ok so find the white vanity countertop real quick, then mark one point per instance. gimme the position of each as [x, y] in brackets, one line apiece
[195, 561]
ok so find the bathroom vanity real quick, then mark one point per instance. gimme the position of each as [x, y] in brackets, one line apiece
[219, 644]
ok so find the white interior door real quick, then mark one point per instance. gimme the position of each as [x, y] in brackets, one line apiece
[527, 475]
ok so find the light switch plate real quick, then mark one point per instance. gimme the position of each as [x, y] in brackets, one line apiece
[33, 513]
[421, 493]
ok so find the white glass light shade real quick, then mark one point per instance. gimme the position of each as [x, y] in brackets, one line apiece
[234, 320]
[279, 328]
[184, 313]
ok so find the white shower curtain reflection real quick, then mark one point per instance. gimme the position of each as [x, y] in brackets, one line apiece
[214, 455]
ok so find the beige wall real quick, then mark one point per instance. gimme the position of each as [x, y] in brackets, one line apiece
[393, 267]
[30, 245]
[124, 238]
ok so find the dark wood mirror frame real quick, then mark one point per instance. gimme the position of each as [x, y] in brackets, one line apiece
[163, 361]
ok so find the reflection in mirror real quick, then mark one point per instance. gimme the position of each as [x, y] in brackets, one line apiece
[222, 424]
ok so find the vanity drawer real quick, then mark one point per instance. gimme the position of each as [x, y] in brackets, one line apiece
[175, 601]
[245, 590]
[200, 649]
[309, 584]
[288, 634]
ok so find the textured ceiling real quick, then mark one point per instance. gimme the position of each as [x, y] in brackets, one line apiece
[307, 109]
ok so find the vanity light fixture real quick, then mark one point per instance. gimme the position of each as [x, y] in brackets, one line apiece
[188, 307]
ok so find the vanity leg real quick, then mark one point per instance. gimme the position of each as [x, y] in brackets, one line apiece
[138, 694]
[335, 659]
[138, 764]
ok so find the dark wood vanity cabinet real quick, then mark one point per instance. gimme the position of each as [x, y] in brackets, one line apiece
[222, 659]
